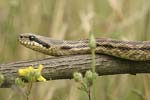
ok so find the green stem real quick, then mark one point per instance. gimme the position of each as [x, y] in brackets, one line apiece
[92, 45]
[93, 70]
[29, 90]
[93, 60]
[89, 93]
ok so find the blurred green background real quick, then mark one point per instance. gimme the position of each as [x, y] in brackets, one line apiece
[72, 20]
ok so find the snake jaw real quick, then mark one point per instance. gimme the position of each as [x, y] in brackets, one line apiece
[32, 42]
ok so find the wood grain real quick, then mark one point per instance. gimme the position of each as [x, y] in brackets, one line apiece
[63, 67]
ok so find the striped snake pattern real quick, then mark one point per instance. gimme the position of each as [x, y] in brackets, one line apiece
[131, 50]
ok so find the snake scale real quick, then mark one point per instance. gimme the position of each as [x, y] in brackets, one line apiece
[131, 50]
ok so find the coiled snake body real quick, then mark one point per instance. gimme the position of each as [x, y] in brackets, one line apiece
[138, 51]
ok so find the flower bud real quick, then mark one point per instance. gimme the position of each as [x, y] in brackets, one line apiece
[92, 41]
[77, 77]
[89, 75]
[19, 82]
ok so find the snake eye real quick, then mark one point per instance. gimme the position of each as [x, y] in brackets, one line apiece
[31, 38]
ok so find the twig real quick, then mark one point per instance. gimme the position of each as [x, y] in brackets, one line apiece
[63, 67]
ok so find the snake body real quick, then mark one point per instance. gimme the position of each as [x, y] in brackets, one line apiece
[131, 50]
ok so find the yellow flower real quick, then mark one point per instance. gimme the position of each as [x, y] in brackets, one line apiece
[32, 73]
[25, 71]
[39, 69]
[41, 78]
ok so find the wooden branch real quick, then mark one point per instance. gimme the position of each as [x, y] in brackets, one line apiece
[63, 67]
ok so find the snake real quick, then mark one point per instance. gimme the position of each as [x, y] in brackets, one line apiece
[129, 50]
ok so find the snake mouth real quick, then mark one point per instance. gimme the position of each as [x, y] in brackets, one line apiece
[31, 41]
[30, 44]
[24, 40]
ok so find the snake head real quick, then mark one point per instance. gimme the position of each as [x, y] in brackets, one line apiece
[28, 39]
[33, 41]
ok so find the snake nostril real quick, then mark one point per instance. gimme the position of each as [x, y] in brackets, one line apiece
[21, 36]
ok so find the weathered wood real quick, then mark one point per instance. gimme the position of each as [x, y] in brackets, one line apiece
[63, 67]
